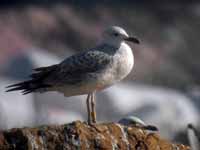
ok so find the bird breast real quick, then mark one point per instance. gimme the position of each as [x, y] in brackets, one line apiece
[122, 65]
[125, 61]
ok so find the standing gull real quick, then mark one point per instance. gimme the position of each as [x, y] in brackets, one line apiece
[193, 136]
[137, 122]
[86, 72]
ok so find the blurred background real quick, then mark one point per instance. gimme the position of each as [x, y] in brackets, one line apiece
[163, 89]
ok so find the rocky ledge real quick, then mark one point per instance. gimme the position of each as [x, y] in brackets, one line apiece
[79, 135]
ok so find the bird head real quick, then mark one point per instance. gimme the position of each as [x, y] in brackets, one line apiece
[115, 35]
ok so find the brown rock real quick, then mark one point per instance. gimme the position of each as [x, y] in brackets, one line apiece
[79, 135]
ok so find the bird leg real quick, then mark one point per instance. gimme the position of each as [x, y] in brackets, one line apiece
[93, 112]
[88, 108]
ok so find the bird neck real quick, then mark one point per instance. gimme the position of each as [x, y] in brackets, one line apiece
[109, 48]
[112, 42]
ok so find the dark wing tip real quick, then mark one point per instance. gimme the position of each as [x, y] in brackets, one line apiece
[15, 87]
[36, 81]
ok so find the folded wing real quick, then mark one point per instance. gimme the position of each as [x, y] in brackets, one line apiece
[72, 70]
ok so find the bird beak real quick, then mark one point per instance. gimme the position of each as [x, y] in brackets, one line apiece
[132, 39]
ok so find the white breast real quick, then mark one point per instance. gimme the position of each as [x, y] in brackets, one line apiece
[122, 65]
[124, 61]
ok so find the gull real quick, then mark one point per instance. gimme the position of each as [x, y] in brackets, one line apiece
[137, 122]
[193, 136]
[87, 72]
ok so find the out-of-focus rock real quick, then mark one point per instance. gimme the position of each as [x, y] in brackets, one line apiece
[78, 135]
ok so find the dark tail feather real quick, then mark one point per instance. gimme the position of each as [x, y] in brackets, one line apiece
[27, 92]
[35, 83]
[15, 85]
[18, 86]
[26, 87]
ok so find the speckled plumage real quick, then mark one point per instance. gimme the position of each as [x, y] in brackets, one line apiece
[85, 72]
[88, 71]
[80, 67]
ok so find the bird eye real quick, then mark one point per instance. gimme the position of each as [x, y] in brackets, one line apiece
[116, 34]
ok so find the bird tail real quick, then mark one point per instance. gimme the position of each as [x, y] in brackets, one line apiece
[26, 86]
[35, 83]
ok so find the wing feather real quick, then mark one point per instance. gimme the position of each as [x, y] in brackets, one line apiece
[73, 70]
[78, 68]
[36, 82]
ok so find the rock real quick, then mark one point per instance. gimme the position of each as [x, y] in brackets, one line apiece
[79, 135]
